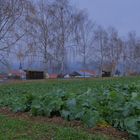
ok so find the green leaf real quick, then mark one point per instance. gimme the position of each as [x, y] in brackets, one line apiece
[71, 103]
[65, 114]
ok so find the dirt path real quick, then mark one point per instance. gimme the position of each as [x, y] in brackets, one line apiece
[109, 131]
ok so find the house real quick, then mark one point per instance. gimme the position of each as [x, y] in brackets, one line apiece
[53, 76]
[88, 73]
[34, 74]
[17, 74]
[83, 74]
[117, 73]
[3, 76]
[67, 76]
[60, 75]
[74, 74]
[107, 70]
[106, 73]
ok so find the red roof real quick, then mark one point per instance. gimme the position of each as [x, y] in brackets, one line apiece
[53, 76]
[17, 72]
[1, 76]
[89, 71]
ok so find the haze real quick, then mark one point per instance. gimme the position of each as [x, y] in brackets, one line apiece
[122, 14]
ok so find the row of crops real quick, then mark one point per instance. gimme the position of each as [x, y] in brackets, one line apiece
[115, 103]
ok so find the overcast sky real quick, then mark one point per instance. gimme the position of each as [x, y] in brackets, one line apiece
[122, 14]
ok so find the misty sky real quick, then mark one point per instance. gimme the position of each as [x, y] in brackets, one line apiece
[122, 14]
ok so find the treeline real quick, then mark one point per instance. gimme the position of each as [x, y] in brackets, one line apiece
[55, 33]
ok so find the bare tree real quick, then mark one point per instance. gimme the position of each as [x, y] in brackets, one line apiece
[42, 32]
[10, 12]
[133, 53]
[12, 27]
[115, 44]
[102, 50]
[84, 31]
[62, 15]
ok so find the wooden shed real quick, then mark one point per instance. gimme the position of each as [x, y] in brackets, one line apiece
[33, 74]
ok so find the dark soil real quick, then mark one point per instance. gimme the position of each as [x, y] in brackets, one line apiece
[109, 131]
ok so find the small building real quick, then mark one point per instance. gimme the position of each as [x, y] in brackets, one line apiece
[83, 74]
[53, 76]
[106, 73]
[87, 73]
[34, 74]
[3, 76]
[107, 70]
[17, 74]
[117, 73]
[74, 74]
[67, 76]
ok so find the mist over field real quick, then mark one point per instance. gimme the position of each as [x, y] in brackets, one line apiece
[62, 36]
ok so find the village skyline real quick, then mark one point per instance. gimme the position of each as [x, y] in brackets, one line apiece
[62, 36]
